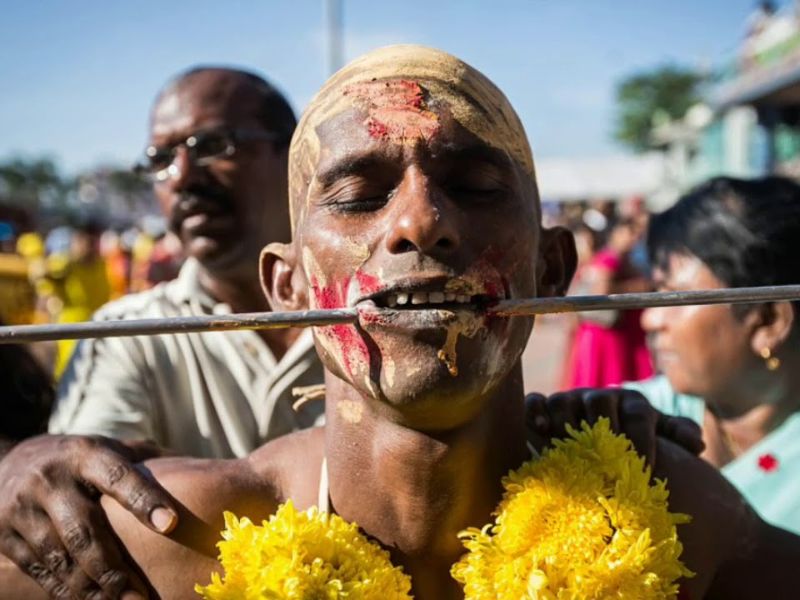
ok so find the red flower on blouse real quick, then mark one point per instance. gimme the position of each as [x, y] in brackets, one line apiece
[767, 462]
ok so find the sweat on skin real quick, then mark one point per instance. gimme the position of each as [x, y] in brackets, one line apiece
[402, 111]
[413, 454]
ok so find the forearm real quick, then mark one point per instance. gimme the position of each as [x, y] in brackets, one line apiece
[764, 565]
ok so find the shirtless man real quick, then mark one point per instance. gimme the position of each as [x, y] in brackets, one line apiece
[412, 187]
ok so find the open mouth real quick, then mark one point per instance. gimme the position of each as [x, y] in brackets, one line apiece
[416, 299]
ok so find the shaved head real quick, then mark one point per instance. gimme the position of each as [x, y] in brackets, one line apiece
[396, 86]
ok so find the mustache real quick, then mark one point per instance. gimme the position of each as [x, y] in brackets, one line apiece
[198, 199]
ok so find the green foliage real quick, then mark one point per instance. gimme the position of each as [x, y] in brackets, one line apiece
[32, 182]
[668, 90]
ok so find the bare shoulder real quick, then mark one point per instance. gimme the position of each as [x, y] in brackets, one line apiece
[716, 509]
[203, 490]
[287, 467]
[733, 552]
[293, 462]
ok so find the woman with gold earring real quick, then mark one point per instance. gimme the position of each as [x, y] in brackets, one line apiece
[772, 362]
[734, 369]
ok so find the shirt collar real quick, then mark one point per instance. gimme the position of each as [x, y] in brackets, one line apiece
[186, 288]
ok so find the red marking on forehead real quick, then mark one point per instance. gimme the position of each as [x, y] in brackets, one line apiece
[396, 110]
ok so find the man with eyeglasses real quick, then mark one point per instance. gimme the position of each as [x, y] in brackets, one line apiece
[217, 157]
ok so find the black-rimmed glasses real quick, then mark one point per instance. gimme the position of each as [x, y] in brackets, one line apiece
[203, 147]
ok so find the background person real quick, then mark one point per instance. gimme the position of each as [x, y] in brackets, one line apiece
[76, 283]
[218, 157]
[734, 369]
[608, 347]
[414, 459]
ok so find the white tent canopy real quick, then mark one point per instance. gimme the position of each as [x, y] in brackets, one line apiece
[612, 177]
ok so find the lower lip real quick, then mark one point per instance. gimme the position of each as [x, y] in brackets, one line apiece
[370, 316]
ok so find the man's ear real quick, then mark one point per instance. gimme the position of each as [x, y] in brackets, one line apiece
[281, 278]
[776, 320]
[558, 260]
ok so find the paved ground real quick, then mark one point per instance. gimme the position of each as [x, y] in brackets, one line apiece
[543, 359]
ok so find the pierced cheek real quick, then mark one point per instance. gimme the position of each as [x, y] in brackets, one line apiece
[492, 276]
[346, 345]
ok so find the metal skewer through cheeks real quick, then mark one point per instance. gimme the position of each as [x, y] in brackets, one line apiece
[276, 320]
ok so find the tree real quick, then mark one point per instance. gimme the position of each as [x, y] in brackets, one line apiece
[670, 90]
[34, 182]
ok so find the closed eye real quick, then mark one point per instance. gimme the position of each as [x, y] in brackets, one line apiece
[355, 195]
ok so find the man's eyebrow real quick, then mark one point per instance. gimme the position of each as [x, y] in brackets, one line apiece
[474, 153]
[348, 166]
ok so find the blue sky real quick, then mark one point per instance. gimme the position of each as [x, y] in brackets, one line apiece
[77, 78]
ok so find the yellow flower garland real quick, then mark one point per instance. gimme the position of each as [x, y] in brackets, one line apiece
[300, 555]
[582, 522]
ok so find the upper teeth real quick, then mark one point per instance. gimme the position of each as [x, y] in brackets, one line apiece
[425, 298]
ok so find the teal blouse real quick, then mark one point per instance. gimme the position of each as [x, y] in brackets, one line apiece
[767, 474]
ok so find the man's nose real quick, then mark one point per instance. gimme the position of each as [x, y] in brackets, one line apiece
[653, 319]
[423, 218]
[182, 171]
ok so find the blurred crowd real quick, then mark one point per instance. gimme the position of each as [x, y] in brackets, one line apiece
[65, 274]
[606, 347]
[218, 162]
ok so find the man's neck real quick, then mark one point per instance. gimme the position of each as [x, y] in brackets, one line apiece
[243, 293]
[415, 491]
[239, 290]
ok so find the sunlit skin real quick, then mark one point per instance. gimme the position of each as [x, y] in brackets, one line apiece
[224, 212]
[703, 350]
[417, 455]
[416, 459]
[713, 352]
[432, 216]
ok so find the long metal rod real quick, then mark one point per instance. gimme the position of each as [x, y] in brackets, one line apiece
[96, 329]
[276, 320]
[540, 306]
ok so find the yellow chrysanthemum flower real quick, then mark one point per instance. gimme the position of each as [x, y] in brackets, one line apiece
[583, 522]
[302, 555]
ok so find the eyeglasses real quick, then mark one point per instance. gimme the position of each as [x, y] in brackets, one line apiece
[203, 148]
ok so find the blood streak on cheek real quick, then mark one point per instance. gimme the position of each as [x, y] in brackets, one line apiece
[325, 297]
[367, 284]
[347, 339]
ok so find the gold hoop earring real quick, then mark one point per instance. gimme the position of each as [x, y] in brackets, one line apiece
[772, 362]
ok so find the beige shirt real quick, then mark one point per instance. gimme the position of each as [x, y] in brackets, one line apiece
[212, 394]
